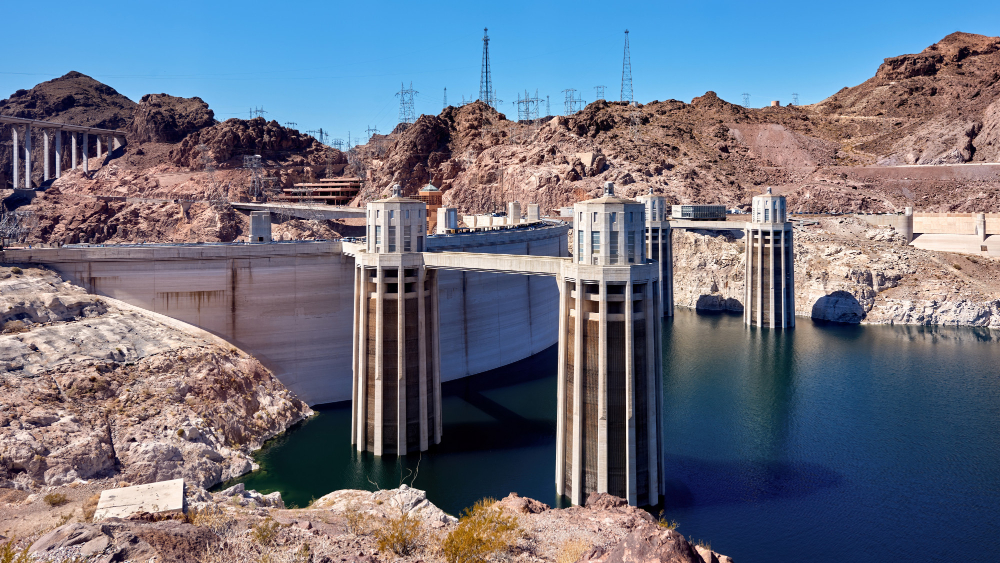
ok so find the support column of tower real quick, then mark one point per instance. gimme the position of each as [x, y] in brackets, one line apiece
[608, 420]
[769, 297]
[660, 246]
[397, 370]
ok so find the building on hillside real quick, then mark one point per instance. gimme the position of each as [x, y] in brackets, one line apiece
[431, 195]
[331, 191]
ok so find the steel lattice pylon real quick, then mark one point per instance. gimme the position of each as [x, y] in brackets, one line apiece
[486, 93]
[627, 73]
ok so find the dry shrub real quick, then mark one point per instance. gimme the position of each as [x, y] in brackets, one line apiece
[213, 518]
[10, 555]
[16, 271]
[54, 499]
[398, 534]
[482, 533]
[14, 327]
[571, 550]
[265, 532]
[90, 507]
[357, 521]
[244, 549]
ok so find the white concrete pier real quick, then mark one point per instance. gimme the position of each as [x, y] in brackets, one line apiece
[116, 139]
[769, 299]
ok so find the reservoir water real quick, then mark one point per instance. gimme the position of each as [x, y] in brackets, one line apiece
[825, 443]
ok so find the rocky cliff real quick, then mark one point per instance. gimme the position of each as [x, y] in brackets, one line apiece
[846, 271]
[93, 388]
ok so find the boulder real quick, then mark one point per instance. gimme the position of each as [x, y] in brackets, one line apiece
[647, 544]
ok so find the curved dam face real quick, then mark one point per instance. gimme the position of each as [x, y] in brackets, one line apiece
[291, 304]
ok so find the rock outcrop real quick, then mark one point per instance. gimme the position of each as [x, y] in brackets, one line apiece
[161, 118]
[846, 271]
[93, 388]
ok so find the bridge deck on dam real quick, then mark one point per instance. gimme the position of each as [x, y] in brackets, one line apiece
[291, 304]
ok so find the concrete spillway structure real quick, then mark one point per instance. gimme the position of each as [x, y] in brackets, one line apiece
[769, 299]
[397, 366]
[608, 420]
[659, 246]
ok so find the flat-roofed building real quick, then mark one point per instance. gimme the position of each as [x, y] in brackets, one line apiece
[331, 191]
[698, 212]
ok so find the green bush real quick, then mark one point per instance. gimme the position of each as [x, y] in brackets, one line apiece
[482, 532]
[16, 271]
[10, 555]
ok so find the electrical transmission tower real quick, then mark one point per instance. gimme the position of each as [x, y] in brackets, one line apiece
[406, 112]
[572, 103]
[795, 99]
[627, 74]
[746, 100]
[337, 144]
[291, 125]
[548, 107]
[256, 188]
[15, 226]
[257, 112]
[486, 92]
[319, 134]
[599, 90]
[527, 107]
[445, 105]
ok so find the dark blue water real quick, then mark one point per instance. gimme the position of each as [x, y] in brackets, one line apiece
[825, 443]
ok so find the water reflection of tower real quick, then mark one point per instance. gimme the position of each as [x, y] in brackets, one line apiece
[770, 388]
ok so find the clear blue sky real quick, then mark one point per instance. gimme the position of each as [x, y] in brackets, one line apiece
[337, 65]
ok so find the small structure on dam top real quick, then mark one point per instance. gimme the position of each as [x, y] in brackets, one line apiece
[769, 298]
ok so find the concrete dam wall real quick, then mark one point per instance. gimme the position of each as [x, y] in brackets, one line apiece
[290, 304]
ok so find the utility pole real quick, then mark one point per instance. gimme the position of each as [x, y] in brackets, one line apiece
[406, 112]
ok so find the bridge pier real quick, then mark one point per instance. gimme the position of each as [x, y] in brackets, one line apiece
[86, 153]
[16, 158]
[59, 152]
[769, 299]
[72, 158]
[397, 365]
[27, 157]
[45, 155]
